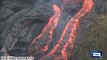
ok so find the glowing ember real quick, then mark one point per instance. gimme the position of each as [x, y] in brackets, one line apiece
[52, 24]
[63, 51]
[45, 48]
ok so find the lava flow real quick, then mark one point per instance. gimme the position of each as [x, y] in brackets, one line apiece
[52, 24]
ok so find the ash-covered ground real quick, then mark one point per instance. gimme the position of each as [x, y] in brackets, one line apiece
[23, 20]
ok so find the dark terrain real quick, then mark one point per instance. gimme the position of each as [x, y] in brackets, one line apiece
[22, 20]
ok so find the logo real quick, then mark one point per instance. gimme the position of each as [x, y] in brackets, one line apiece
[96, 54]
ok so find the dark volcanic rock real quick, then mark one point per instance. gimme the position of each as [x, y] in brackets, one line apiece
[5, 13]
[22, 20]
[19, 27]
[72, 6]
[100, 6]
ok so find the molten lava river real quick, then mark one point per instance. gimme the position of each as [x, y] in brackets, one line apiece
[45, 49]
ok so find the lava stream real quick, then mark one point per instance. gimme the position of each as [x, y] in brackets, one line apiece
[48, 29]
[52, 24]
[87, 6]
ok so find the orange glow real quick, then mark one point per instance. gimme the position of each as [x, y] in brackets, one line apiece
[63, 51]
[49, 28]
[45, 48]
[52, 24]
[87, 6]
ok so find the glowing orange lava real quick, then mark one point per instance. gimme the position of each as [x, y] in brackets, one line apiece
[52, 24]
